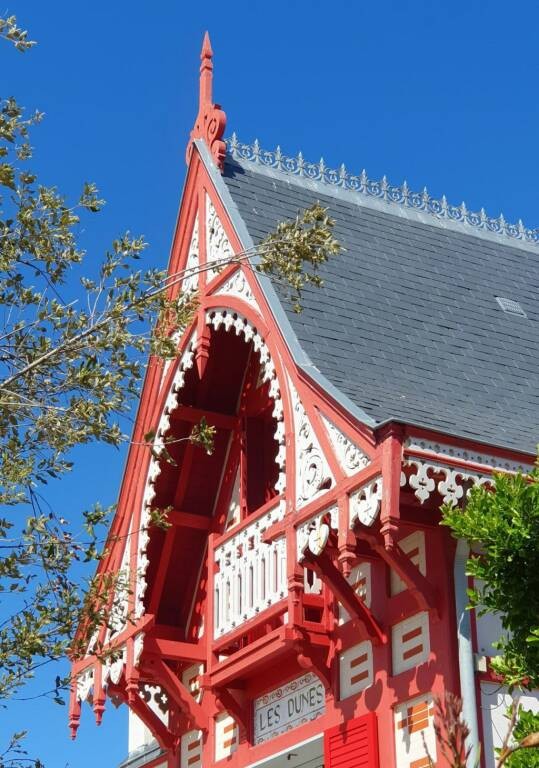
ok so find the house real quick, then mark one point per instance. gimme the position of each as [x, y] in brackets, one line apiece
[305, 607]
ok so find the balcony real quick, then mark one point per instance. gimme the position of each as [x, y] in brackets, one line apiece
[251, 575]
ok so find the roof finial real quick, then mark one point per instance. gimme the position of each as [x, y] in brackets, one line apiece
[211, 120]
[206, 71]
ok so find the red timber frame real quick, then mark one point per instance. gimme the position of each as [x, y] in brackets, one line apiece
[302, 631]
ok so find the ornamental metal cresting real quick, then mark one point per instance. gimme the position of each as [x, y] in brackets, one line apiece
[289, 706]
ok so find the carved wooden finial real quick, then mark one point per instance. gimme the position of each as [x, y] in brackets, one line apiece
[211, 119]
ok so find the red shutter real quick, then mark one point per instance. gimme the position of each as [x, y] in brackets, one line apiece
[353, 744]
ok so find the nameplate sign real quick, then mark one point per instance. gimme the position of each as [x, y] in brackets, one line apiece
[287, 707]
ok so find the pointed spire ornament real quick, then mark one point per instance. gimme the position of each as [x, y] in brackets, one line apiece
[211, 119]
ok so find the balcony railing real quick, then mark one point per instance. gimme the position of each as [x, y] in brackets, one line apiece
[251, 574]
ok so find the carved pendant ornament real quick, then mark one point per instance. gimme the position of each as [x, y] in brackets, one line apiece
[365, 503]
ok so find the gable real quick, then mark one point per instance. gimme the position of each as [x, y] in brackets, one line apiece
[406, 324]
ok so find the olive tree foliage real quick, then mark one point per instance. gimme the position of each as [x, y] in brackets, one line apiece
[71, 363]
[501, 524]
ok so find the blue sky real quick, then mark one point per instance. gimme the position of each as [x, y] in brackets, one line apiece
[440, 94]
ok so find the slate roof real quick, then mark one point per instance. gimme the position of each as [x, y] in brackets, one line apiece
[406, 324]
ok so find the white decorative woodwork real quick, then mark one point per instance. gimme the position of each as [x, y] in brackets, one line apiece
[450, 482]
[397, 199]
[190, 280]
[365, 503]
[114, 666]
[154, 471]
[313, 474]
[349, 455]
[252, 574]
[444, 452]
[410, 642]
[415, 738]
[218, 248]
[191, 750]
[138, 647]
[355, 669]
[226, 736]
[85, 684]
[120, 602]
[413, 547]
[156, 699]
[304, 531]
[360, 581]
[238, 287]
[230, 320]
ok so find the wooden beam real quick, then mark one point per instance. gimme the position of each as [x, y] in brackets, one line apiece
[181, 696]
[420, 587]
[175, 650]
[188, 520]
[195, 415]
[327, 571]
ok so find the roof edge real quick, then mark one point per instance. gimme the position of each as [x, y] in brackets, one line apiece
[381, 195]
[299, 355]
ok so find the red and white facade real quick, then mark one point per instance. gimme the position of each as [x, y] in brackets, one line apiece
[302, 608]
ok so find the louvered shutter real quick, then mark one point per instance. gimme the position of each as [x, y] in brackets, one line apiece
[353, 744]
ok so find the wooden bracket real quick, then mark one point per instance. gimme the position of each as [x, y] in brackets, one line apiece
[326, 570]
[420, 587]
[181, 696]
[312, 659]
[166, 739]
[230, 703]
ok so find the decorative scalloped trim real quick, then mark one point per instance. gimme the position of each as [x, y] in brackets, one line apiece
[382, 190]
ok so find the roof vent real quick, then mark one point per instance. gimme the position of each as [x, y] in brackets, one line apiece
[510, 306]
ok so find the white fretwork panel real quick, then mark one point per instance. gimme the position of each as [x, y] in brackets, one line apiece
[226, 736]
[495, 701]
[349, 455]
[313, 474]
[218, 248]
[415, 739]
[452, 483]
[410, 642]
[191, 680]
[413, 547]
[355, 669]
[365, 503]
[360, 581]
[238, 287]
[190, 281]
[191, 750]
[252, 574]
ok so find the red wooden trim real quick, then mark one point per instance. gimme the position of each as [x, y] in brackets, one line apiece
[177, 691]
[325, 500]
[420, 587]
[194, 415]
[175, 650]
[330, 575]
[252, 518]
[272, 612]
[188, 520]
